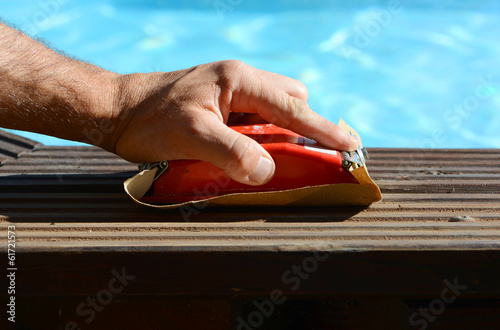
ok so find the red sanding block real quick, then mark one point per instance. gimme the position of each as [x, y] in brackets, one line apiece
[300, 162]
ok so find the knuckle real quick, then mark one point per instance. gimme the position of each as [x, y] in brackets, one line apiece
[298, 108]
[229, 72]
[298, 112]
[302, 90]
[284, 110]
[233, 64]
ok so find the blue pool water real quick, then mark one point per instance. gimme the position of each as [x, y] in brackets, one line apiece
[403, 73]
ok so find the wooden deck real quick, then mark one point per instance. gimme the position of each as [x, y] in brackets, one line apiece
[439, 222]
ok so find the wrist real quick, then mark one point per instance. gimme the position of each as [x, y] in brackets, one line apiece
[133, 94]
[104, 110]
[114, 104]
[129, 120]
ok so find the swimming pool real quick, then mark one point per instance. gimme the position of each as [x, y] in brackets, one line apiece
[403, 73]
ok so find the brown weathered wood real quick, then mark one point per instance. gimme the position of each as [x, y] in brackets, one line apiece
[349, 272]
[13, 146]
[74, 224]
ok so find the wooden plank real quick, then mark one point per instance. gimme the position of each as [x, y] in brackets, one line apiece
[19, 141]
[264, 226]
[257, 236]
[415, 274]
[66, 205]
[423, 190]
[13, 146]
[388, 197]
[124, 312]
[407, 152]
[148, 216]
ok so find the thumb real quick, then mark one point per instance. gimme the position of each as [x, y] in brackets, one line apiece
[243, 159]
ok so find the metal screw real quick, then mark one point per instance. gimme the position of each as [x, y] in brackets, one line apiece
[346, 163]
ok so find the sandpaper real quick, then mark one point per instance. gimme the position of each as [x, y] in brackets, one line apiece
[362, 194]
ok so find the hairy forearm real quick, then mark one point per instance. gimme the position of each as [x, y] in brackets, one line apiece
[45, 92]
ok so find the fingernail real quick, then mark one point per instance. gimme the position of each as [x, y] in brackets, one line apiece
[354, 139]
[262, 172]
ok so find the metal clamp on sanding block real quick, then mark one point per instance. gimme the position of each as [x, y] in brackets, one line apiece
[354, 159]
[162, 167]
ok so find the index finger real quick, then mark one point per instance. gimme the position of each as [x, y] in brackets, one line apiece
[280, 108]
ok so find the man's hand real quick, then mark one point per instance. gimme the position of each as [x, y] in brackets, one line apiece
[182, 115]
[156, 116]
